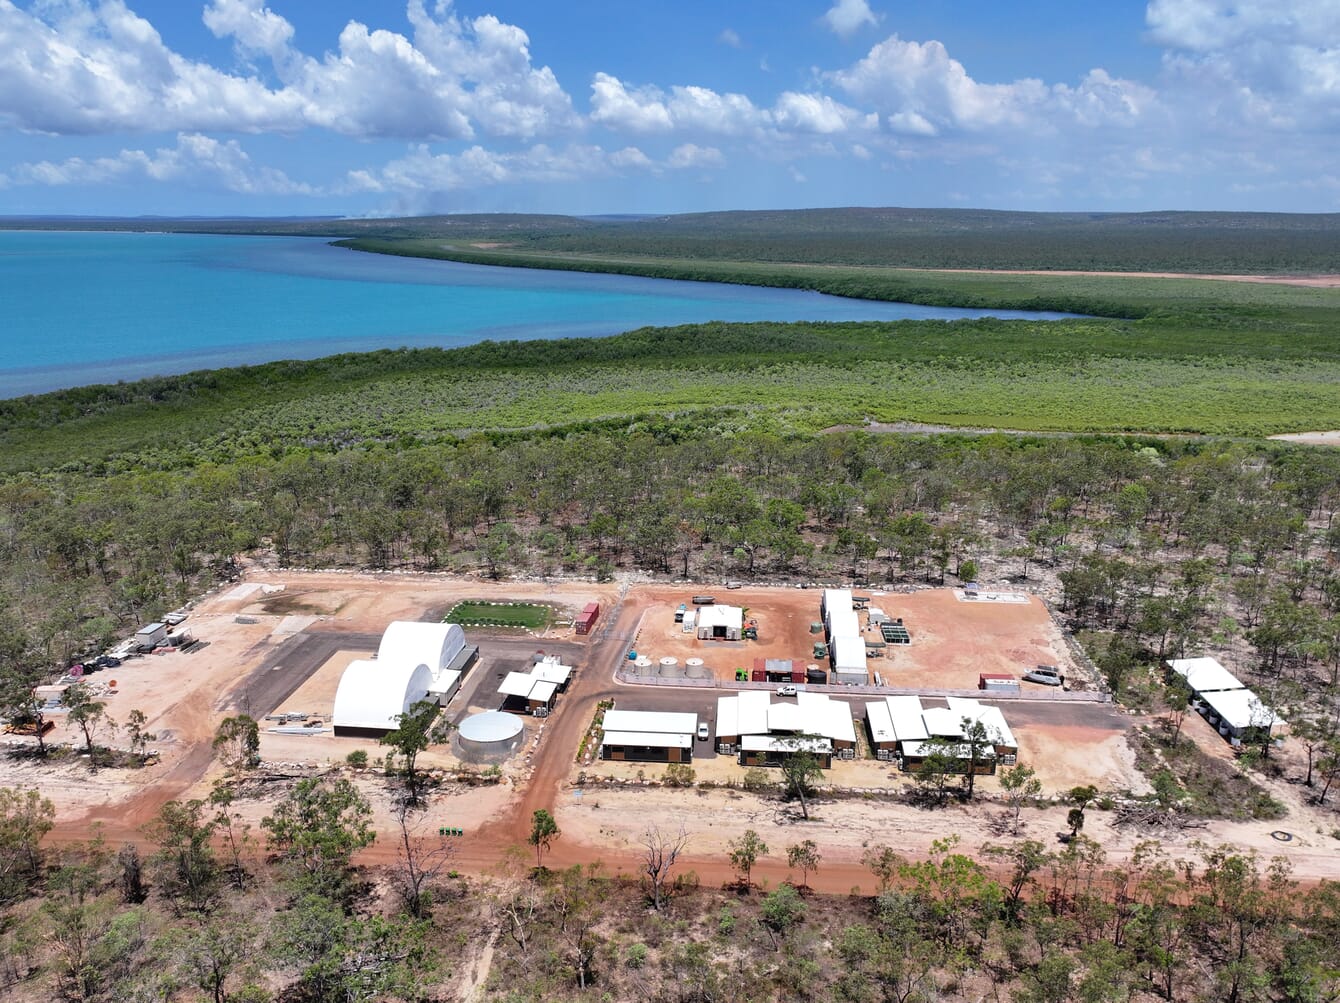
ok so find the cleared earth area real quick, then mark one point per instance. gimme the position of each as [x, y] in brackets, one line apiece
[278, 642]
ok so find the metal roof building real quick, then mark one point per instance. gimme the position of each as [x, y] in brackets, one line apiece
[1205, 675]
[431, 644]
[372, 694]
[1240, 713]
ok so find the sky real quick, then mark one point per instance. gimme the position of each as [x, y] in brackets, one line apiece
[362, 108]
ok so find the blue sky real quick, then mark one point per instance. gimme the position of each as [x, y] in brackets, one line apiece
[353, 107]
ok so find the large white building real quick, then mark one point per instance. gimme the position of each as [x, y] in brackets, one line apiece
[415, 661]
[763, 732]
[372, 694]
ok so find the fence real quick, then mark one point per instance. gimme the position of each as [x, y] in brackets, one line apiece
[1056, 695]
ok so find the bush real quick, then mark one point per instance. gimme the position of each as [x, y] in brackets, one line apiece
[637, 956]
[678, 775]
[757, 780]
[357, 759]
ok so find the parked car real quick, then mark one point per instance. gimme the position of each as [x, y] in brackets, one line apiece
[786, 691]
[1047, 675]
[702, 731]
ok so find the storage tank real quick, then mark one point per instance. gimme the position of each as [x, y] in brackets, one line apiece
[490, 736]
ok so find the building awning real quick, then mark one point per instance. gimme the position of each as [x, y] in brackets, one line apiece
[647, 740]
[784, 743]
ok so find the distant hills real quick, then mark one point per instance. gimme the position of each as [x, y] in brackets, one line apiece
[1202, 242]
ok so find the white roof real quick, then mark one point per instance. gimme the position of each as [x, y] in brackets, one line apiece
[787, 717]
[517, 684]
[651, 722]
[881, 725]
[783, 743]
[728, 716]
[543, 690]
[917, 749]
[905, 716]
[849, 655]
[1205, 675]
[842, 622]
[372, 694]
[1241, 709]
[836, 599]
[942, 722]
[551, 672]
[830, 718]
[721, 616]
[992, 718]
[432, 644]
[648, 739]
[444, 682]
[753, 711]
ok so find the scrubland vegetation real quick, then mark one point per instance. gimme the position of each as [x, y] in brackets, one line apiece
[187, 916]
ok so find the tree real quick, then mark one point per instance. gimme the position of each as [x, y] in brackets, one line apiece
[184, 866]
[419, 862]
[744, 854]
[800, 769]
[87, 714]
[805, 856]
[213, 951]
[25, 819]
[1080, 797]
[19, 703]
[883, 863]
[238, 742]
[940, 762]
[416, 731]
[782, 909]
[1020, 785]
[660, 852]
[316, 830]
[543, 832]
[1177, 695]
[236, 834]
[978, 739]
[138, 735]
[351, 959]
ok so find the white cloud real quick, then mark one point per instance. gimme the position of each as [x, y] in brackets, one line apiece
[424, 172]
[650, 109]
[692, 155]
[729, 36]
[846, 17]
[1251, 65]
[638, 110]
[197, 160]
[922, 91]
[72, 67]
[813, 113]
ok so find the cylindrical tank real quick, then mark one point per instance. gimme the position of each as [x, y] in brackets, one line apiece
[489, 736]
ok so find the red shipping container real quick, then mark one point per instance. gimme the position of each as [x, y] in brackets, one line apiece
[760, 676]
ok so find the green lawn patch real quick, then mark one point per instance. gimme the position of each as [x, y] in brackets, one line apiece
[481, 613]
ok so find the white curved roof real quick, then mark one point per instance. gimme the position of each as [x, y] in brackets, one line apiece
[431, 644]
[371, 694]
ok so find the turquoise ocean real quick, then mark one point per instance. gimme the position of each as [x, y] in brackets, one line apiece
[79, 308]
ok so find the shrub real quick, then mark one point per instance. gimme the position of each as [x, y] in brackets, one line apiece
[357, 759]
[637, 956]
[678, 775]
[757, 780]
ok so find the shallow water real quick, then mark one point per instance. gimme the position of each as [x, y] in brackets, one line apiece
[84, 308]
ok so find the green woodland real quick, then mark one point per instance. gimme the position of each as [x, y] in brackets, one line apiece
[1114, 461]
